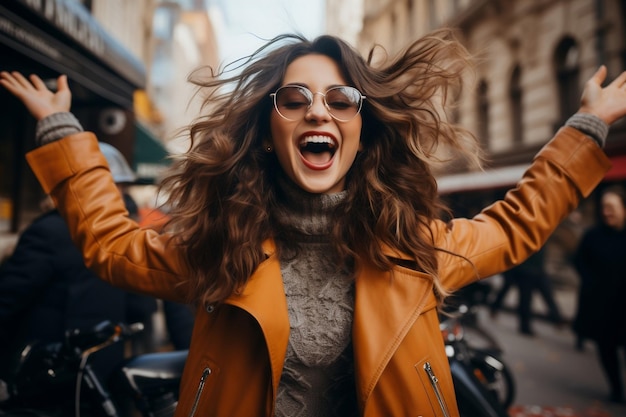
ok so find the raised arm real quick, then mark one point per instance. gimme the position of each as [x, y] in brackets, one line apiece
[38, 99]
[71, 168]
[566, 170]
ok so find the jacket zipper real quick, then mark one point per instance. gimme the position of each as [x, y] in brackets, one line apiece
[205, 373]
[434, 381]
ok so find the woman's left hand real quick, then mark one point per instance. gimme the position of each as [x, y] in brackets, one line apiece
[608, 103]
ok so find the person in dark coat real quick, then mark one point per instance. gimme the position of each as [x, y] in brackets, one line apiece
[45, 289]
[601, 264]
[529, 277]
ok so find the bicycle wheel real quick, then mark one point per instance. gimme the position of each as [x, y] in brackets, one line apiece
[495, 375]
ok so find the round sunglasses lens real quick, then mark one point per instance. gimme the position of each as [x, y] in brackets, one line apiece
[292, 102]
[343, 102]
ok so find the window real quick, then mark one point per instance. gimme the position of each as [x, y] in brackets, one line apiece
[567, 58]
[483, 113]
[515, 97]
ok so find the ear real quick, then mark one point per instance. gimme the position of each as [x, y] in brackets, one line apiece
[360, 146]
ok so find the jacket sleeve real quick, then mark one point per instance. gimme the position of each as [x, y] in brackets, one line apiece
[504, 234]
[75, 173]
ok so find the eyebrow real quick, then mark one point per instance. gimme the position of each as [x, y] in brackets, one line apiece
[297, 84]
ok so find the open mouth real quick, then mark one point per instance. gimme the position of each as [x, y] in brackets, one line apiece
[318, 150]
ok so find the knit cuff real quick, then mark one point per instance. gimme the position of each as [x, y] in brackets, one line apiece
[590, 125]
[56, 126]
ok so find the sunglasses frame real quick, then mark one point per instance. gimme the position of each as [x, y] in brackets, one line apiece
[312, 96]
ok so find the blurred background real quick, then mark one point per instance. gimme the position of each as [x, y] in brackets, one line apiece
[128, 63]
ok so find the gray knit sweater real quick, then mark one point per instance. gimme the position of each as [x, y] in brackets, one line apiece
[318, 376]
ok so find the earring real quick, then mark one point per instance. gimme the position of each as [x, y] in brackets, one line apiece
[268, 148]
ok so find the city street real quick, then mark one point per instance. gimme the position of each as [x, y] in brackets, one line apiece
[553, 379]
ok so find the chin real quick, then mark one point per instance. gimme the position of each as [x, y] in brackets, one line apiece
[315, 188]
[318, 182]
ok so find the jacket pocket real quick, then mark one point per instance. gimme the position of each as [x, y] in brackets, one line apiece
[430, 381]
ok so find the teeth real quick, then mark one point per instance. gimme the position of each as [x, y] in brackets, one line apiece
[317, 140]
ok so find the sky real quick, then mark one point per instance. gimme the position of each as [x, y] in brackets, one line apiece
[242, 25]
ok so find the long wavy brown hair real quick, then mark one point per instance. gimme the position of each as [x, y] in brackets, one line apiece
[223, 192]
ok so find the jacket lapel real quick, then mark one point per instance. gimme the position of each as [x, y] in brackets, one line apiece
[264, 299]
[386, 306]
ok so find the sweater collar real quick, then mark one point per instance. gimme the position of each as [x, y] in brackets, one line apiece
[304, 212]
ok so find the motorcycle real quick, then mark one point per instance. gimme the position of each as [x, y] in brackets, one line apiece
[56, 379]
[483, 382]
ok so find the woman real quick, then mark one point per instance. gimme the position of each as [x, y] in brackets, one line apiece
[305, 225]
[600, 261]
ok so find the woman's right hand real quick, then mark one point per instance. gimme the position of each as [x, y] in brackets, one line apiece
[38, 99]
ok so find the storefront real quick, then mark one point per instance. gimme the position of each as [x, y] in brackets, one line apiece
[52, 37]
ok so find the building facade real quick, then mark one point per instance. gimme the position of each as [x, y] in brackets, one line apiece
[127, 63]
[49, 38]
[532, 59]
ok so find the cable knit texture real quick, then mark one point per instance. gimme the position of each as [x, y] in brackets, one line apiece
[590, 125]
[318, 376]
[56, 126]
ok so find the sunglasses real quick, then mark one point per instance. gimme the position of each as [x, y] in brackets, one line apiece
[292, 102]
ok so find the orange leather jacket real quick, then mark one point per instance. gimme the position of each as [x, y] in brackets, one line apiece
[238, 347]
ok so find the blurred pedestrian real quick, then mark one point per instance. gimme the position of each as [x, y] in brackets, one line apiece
[529, 277]
[601, 264]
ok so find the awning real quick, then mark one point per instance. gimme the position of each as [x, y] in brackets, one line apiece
[618, 171]
[150, 158]
[62, 36]
[505, 177]
[482, 180]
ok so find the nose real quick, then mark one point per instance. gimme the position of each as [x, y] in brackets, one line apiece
[318, 110]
